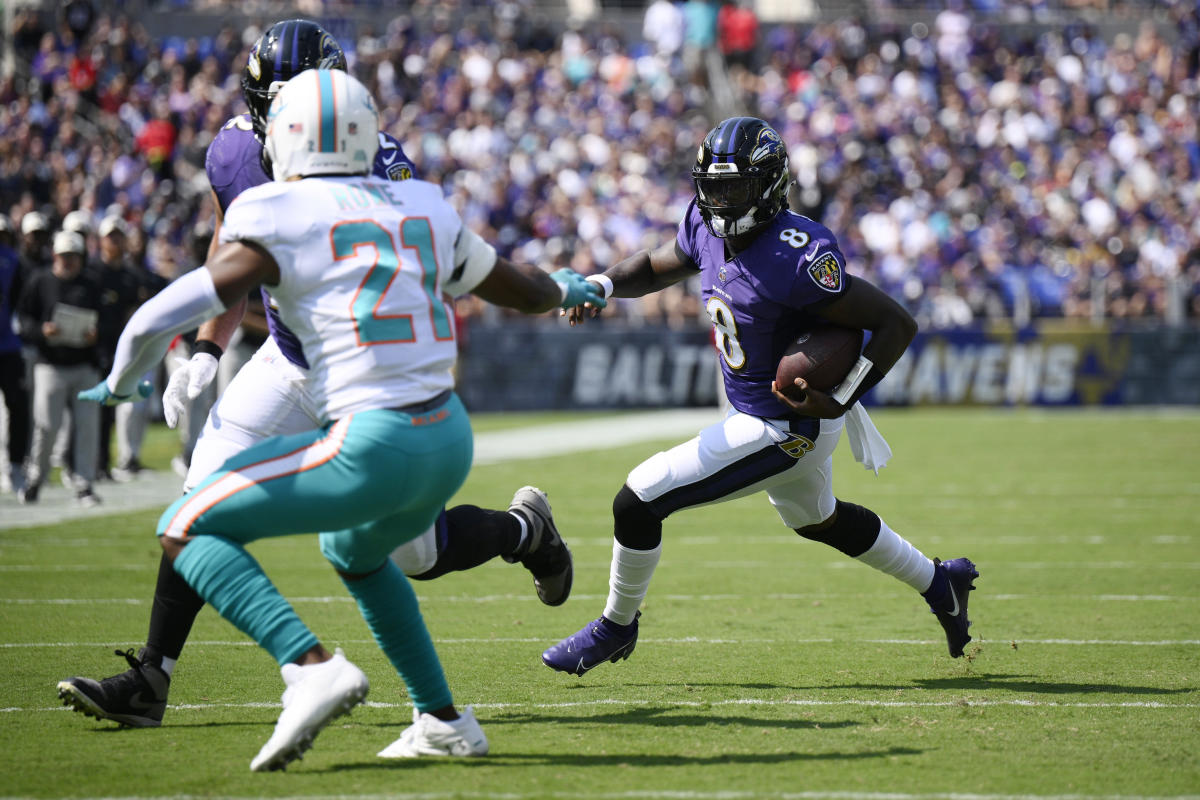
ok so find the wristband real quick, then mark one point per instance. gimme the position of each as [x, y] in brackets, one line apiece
[858, 373]
[207, 346]
[604, 282]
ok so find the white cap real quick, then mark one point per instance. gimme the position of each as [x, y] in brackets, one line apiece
[110, 225]
[34, 221]
[68, 242]
[79, 221]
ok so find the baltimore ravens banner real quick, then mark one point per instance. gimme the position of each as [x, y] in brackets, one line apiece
[1048, 364]
[525, 366]
[519, 366]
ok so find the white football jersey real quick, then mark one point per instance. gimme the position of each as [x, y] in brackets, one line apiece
[365, 265]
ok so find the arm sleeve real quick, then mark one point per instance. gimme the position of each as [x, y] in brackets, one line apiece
[474, 260]
[178, 308]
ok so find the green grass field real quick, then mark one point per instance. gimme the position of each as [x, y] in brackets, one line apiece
[768, 666]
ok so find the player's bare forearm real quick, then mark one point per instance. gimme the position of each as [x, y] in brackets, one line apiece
[523, 287]
[867, 307]
[644, 272]
[648, 271]
[219, 330]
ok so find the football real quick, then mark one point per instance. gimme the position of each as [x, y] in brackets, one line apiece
[822, 356]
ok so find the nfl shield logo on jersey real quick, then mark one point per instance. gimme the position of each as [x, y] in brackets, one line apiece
[827, 273]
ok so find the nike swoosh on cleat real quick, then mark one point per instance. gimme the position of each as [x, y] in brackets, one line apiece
[954, 594]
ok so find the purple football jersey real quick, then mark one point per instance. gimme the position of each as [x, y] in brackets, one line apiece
[763, 299]
[234, 164]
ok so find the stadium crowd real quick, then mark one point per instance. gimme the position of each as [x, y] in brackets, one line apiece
[974, 171]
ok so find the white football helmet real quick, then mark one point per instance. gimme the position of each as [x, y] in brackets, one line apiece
[322, 122]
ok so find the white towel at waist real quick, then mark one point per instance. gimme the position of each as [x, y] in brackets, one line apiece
[868, 445]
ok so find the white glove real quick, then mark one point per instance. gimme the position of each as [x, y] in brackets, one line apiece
[187, 382]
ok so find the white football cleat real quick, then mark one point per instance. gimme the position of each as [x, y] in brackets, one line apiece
[316, 695]
[430, 736]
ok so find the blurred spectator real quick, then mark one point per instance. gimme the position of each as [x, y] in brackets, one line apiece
[663, 26]
[928, 147]
[13, 382]
[35, 243]
[58, 310]
[700, 33]
[122, 290]
[737, 30]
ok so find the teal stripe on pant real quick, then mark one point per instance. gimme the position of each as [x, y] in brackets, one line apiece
[389, 605]
[371, 482]
[229, 578]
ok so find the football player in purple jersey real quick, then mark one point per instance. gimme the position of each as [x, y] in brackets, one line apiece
[268, 398]
[766, 275]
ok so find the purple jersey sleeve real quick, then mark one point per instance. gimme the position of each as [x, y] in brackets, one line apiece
[689, 230]
[234, 161]
[390, 160]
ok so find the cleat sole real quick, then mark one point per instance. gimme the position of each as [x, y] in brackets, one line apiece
[78, 701]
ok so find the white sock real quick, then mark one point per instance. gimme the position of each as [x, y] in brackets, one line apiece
[168, 665]
[524, 531]
[896, 557]
[628, 581]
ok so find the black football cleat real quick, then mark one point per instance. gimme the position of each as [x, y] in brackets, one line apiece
[137, 697]
[545, 554]
[951, 612]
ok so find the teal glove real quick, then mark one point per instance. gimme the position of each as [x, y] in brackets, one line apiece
[100, 394]
[577, 290]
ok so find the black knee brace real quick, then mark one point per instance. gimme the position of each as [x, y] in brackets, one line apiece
[635, 525]
[853, 530]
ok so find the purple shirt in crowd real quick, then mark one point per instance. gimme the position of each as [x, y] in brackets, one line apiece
[761, 300]
[234, 164]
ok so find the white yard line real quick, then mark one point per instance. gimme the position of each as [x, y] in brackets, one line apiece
[525, 597]
[671, 794]
[159, 489]
[667, 794]
[960, 702]
[1002, 641]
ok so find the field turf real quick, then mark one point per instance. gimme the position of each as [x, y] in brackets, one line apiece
[768, 666]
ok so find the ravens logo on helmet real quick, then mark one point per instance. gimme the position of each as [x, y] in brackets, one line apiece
[286, 49]
[741, 176]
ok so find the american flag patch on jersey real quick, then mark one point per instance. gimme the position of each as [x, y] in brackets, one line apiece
[827, 273]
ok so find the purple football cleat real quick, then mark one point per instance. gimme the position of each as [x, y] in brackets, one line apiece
[598, 641]
[952, 610]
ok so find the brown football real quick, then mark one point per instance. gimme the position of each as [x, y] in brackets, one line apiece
[822, 356]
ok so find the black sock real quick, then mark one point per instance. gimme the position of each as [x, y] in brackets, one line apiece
[175, 608]
[472, 535]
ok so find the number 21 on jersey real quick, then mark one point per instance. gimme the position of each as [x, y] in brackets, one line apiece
[416, 240]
